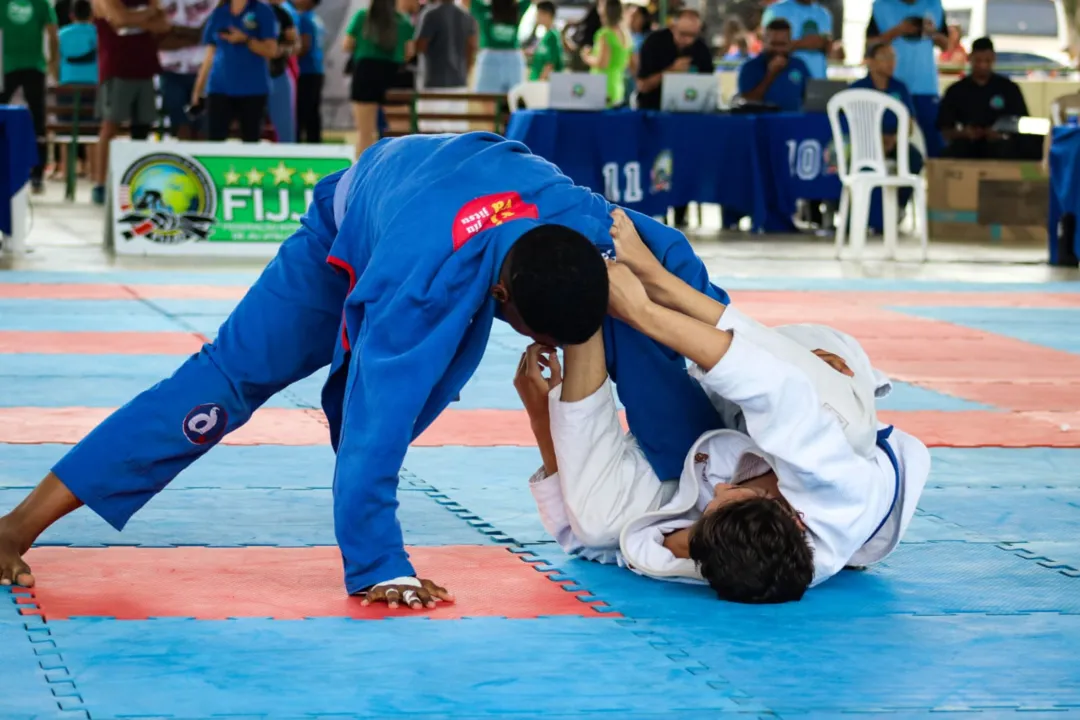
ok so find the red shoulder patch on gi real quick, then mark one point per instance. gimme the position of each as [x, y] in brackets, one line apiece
[489, 211]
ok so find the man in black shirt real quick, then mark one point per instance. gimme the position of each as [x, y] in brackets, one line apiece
[974, 103]
[677, 49]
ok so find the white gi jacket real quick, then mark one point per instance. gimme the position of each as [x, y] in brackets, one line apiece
[607, 504]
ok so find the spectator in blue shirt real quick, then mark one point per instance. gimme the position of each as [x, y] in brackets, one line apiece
[309, 86]
[774, 76]
[811, 29]
[913, 28]
[241, 38]
[78, 47]
[78, 66]
[881, 64]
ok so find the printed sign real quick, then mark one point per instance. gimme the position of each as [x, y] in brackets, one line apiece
[219, 199]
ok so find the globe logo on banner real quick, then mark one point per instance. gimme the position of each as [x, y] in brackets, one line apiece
[166, 199]
[663, 168]
[579, 90]
[690, 94]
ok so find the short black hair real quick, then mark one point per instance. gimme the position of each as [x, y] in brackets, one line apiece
[546, 6]
[81, 10]
[558, 281]
[983, 43]
[753, 551]
[874, 48]
[779, 24]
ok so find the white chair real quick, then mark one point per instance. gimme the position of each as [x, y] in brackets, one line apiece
[534, 94]
[867, 168]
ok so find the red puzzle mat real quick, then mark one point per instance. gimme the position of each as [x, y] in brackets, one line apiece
[105, 291]
[502, 428]
[268, 426]
[100, 343]
[279, 583]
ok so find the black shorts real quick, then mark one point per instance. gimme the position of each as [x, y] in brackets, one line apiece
[371, 79]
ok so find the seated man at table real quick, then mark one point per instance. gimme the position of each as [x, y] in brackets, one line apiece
[678, 49]
[881, 66]
[775, 77]
[804, 484]
[973, 104]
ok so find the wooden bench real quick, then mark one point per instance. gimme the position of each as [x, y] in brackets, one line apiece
[483, 111]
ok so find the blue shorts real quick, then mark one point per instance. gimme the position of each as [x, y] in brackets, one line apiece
[176, 91]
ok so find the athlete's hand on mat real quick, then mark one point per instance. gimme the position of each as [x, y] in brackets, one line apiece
[417, 598]
[630, 249]
[531, 385]
[627, 299]
[835, 362]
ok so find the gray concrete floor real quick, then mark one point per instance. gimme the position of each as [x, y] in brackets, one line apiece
[70, 237]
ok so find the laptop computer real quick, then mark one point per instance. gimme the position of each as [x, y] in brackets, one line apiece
[820, 92]
[578, 91]
[689, 93]
[1023, 126]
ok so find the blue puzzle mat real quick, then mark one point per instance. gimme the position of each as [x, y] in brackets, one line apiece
[918, 579]
[229, 518]
[1007, 514]
[1057, 328]
[490, 482]
[227, 466]
[24, 692]
[989, 468]
[480, 667]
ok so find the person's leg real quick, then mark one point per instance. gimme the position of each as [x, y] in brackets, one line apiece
[144, 113]
[366, 116]
[487, 72]
[309, 109]
[667, 410]
[252, 110]
[175, 96]
[315, 119]
[285, 328]
[303, 110]
[219, 117]
[926, 113]
[281, 107]
[33, 86]
[604, 478]
[112, 114]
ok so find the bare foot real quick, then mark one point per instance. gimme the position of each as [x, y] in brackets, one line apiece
[13, 570]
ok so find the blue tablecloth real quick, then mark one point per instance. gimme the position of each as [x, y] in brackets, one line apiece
[18, 155]
[650, 161]
[1064, 186]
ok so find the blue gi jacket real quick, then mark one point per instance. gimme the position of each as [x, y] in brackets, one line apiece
[419, 229]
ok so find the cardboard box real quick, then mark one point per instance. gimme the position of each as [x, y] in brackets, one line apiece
[992, 201]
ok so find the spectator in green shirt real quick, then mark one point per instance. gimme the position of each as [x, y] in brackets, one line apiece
[500, 64]
[24, 24]
[611, 50]
[548, 56]
[379, 40]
